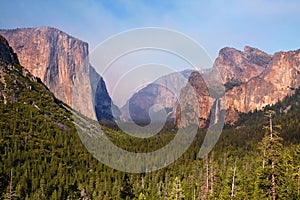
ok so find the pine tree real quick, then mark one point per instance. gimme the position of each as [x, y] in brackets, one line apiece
[268, 173]
[126, 188]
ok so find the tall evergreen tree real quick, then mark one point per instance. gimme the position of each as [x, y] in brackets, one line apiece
[126, 188]
[268, 172]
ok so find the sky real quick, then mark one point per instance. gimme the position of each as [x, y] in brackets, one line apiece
[270, 25]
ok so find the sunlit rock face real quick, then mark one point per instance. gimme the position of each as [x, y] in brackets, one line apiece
[238, 67]
[281, 75]
[61, 62]
[277, 76]
[195, 102]
[252, 78]
[58, 60]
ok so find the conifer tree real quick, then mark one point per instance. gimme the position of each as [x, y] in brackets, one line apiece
[268, 173]
[126, 188]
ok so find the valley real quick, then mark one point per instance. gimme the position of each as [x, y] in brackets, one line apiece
[43, 157]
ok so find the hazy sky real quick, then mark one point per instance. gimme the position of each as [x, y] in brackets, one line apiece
[270, 25]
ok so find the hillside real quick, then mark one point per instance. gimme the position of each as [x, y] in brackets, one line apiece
[42, 156]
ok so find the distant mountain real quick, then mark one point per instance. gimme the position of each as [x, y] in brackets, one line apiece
[165, 92]
[252, 79]
[61, 62]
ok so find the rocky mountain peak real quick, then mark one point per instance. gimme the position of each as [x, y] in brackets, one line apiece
[257, 56]
[238, 67]
[279, 79]
[253, 79]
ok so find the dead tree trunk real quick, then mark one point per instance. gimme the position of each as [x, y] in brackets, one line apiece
[232, 184]
[212, 176]
[273, 191]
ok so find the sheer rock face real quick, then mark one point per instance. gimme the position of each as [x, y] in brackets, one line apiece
[106, 110]
[252, 79]
[59, 60]
[278, 80]
[195, 102]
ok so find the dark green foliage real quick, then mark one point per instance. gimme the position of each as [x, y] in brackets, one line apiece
[39, 143]
[126, 188]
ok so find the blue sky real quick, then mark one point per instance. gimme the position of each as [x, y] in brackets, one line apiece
[270, 25]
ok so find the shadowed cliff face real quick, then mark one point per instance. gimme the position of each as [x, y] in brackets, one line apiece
[61, 62]
[6, 52]
[14, 79]
[106, 110]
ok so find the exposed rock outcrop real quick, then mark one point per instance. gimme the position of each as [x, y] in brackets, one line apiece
[253, 79]
[237, 67]
[106, 111]
[195, 102]
[13, 77]
[279, 79]
[61, 61]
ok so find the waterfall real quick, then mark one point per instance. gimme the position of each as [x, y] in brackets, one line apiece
[215, 114]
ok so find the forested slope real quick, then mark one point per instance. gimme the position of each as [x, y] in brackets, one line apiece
[42, 156]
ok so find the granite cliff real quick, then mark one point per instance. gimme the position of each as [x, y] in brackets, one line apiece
[61, 62]
[252, 80]
[237, 67]
[279, 79]
[15, 80]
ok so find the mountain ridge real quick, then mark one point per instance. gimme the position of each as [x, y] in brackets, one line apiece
[252, 78]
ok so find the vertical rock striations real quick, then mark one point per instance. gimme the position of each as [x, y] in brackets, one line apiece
[61, 61]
